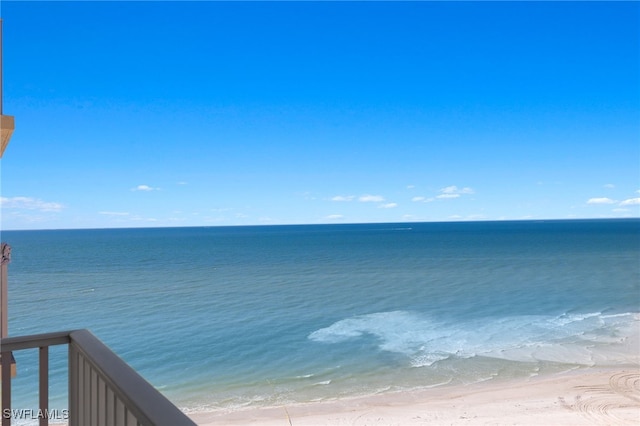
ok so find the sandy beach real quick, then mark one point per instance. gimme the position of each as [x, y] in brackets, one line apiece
[604, 394]
[595, 396]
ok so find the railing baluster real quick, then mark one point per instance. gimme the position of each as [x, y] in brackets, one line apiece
[6, 388]
[44, 385]
[80, 420]
[120, 413]
[73, 386]
[94, 401]
[102, 403]
[86, 392]
[111, 407]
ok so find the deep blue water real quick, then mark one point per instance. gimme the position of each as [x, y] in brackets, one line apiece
[224, 317]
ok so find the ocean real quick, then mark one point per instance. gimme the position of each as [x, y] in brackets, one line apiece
[233, 317]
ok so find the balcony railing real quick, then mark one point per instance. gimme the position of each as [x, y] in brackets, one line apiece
[103, 389]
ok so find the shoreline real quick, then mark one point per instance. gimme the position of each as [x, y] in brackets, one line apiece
[595, 395]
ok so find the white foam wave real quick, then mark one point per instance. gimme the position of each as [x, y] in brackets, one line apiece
[304, 376]
[585, 339]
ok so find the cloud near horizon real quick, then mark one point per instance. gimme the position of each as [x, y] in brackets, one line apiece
[606, 200]
[144, 188]
[371, 198]
[600, 200]
[29, 203]
[366, 198]
[455, 190]
[334, 217]
[422, 199]
[630, 202]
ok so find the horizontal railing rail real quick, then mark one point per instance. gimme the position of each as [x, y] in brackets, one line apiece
[103, 389]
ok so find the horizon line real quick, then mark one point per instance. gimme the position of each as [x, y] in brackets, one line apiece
[330, 224]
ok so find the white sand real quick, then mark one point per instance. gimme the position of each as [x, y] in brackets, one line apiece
[581, 397]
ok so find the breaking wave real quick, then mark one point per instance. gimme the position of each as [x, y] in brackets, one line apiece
[583, 339]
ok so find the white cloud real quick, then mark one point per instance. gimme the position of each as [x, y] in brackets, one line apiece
[388, 206]
[144, 219]
[609, 186]
[455, 190]
[114, 213]
[334, 217]
[343, 198]
[28, 203]
[469, 217]
[630, 202]
[410, 186]
[371, 199]
[363, 198]
[448, 195]
[422, 199]
[144, 188]
[476, 217]
[601, 200]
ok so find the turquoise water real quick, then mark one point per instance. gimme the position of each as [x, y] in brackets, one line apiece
[229, 317]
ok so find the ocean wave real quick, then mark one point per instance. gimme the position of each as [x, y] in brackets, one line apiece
[585, 339]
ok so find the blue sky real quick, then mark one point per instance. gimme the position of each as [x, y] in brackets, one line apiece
[215, 113]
